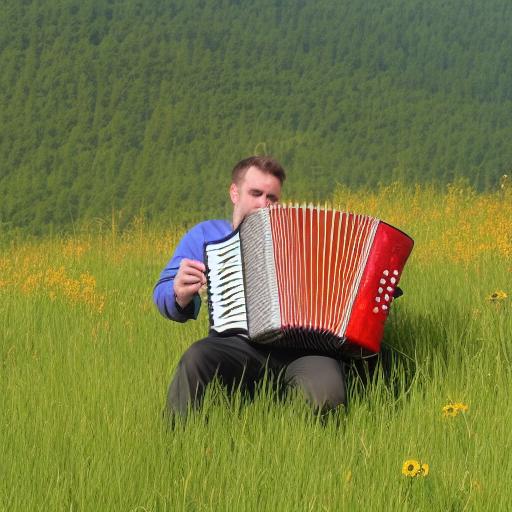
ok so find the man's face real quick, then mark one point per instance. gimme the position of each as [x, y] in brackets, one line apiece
[257, 189]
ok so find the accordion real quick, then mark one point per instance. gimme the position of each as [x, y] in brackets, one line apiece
[312, 278]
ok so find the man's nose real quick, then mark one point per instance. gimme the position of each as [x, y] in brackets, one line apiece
[262, 202]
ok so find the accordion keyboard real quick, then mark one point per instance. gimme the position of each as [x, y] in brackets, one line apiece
[226, 285]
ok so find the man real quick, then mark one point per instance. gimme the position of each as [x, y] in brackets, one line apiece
[256, 183]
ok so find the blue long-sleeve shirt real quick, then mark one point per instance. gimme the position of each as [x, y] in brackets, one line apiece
[191, 246]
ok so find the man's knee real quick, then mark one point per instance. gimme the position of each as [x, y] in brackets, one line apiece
[327, 394]
[321, 380]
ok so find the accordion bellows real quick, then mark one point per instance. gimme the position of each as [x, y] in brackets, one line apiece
[311, 278]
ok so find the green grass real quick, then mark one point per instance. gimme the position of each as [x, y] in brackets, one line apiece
[82, 395]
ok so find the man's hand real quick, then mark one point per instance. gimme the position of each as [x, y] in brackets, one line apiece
[188, 280]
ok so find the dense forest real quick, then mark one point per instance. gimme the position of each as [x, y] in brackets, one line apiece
[143, 106]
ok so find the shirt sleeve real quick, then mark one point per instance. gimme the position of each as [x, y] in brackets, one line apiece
[190, 246]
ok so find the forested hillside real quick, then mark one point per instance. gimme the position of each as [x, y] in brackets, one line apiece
[144, 105]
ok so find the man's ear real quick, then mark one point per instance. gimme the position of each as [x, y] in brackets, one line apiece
[233, 193]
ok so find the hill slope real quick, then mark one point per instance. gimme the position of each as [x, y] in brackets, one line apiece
[126, 104]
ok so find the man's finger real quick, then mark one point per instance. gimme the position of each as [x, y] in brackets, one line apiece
[192, 272]
[185, 262]
[190, 289]
[187, 279]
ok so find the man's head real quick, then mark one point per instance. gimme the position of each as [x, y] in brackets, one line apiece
[256, 183]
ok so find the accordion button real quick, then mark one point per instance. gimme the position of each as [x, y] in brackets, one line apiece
[382, 281]
[393, 280]
[395, 272]
[386, 272]
[386, 297]
[375, 310]
[389, 288]
[384, 307]
[380, 290]
[377, 299]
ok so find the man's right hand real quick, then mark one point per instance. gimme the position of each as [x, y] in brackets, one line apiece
[188, 281]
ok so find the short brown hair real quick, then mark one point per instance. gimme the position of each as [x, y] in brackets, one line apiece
[265, 164]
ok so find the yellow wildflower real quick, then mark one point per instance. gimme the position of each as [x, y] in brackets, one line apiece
[454, 408]
[497, 296]
[411, 468]
[31, 284]
[450, 410]
[425, 468]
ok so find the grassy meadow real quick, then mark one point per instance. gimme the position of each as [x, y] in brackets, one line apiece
[86, 361]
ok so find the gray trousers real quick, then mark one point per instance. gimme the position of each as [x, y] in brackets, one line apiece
[240, 364]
